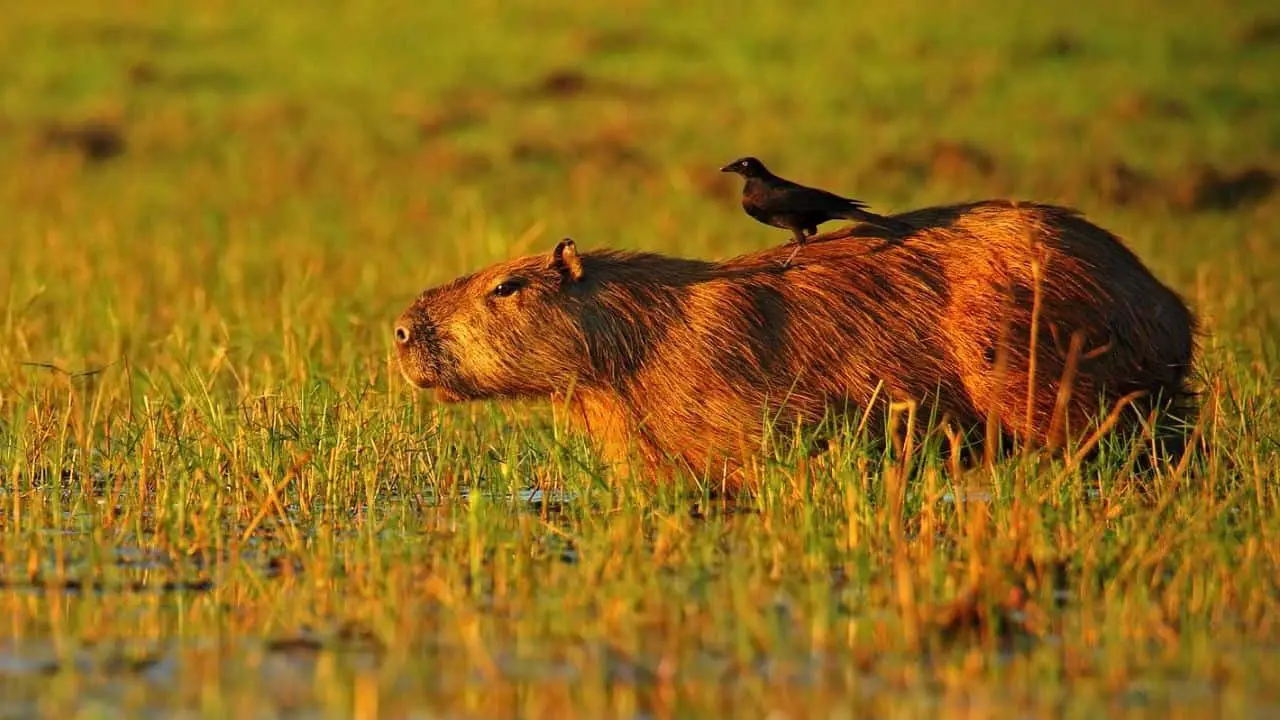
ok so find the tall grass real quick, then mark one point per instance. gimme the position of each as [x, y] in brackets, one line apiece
[216, 493]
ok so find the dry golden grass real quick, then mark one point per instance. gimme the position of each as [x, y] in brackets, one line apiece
[216, 494]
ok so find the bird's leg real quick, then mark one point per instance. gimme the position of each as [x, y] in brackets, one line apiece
[798, 240]
[787, 263]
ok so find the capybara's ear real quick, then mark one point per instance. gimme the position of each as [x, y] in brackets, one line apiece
[565, 259]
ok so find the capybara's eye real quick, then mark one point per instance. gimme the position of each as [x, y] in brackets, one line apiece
[508, 287]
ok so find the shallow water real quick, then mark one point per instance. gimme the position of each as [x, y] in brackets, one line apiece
[299, 671]
[288, 673]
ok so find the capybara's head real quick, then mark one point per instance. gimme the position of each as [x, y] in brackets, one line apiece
[508, 330]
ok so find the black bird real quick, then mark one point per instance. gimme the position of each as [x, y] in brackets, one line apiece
[784, 204]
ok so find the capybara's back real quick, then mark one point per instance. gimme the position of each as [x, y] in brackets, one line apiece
[689, 361]
[1110, 335]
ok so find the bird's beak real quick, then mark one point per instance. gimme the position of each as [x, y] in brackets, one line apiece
[727, 168]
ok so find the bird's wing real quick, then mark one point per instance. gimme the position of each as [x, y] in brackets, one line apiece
[809, 199]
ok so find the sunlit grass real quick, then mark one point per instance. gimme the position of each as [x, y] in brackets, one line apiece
[217, 493]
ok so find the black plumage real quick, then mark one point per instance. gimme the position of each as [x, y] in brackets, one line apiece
[801, 209]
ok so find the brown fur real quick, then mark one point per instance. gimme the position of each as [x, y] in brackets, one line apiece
[683, 359]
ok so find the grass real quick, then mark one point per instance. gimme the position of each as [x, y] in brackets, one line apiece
[216, 493]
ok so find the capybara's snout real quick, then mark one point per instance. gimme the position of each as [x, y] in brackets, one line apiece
[411, 327]
[416, 347]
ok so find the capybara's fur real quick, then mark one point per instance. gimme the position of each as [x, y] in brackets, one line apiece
[687, 360]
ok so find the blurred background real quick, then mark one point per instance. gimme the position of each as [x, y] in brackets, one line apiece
[212, 212]
[160, 152]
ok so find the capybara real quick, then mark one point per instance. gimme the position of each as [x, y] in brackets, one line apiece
[686, 360]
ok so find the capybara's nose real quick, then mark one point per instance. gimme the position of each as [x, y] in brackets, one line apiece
[412, 328]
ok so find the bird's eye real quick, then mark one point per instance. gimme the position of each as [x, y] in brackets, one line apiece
[507, 288]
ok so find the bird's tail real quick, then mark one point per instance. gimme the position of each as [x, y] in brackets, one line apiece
[860, 213]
